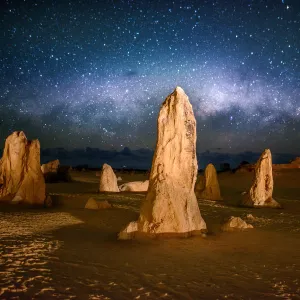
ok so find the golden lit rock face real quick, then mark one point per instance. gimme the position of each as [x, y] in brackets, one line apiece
[208, 186]
[261, 191]
[21, 173]
[170, 205]
[135, 186]
[108, 180]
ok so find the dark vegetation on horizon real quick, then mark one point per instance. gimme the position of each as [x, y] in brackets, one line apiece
[141, 159]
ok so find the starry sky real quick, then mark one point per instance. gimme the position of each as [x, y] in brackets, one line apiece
[93, 73]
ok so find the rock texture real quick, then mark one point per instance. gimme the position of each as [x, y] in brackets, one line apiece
[208, 187]
[108, 180]
[21, 173]
[261, 191]
[170, 206]
[135, 186]
[50, 167]
[235, 223]
[93, 204]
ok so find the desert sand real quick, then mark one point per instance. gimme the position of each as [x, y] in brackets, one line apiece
[68, 252]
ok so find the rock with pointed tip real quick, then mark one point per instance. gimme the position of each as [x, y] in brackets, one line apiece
[261, 191]
[21, 173]
[208, 188]
[91, 204]
[135, 186]
[108, 180]
[170, 206]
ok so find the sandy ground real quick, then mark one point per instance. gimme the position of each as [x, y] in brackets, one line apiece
[67, 252]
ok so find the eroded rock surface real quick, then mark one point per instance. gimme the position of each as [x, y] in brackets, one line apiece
[208, 186]
[261, 191]
[21, 173]
[108, 180]
[170, 206]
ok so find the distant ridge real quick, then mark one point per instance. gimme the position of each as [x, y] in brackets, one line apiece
[142, 158]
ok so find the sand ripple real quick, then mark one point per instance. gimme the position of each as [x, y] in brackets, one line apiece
[26, 248]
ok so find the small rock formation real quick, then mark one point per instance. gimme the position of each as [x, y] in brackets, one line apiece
[260, 194]
[93, 204]
[135, 186]
[50, 167]
[250, 217]
[108, 180]
[170, 206]
[296, 162]
[208, 186]
[235, 223]
[21, 173]
[54, 172]
[104, 204]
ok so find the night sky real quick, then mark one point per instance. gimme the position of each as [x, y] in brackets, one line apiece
[78, 74]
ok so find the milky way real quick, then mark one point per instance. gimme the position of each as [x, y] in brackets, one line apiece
[94, 73]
